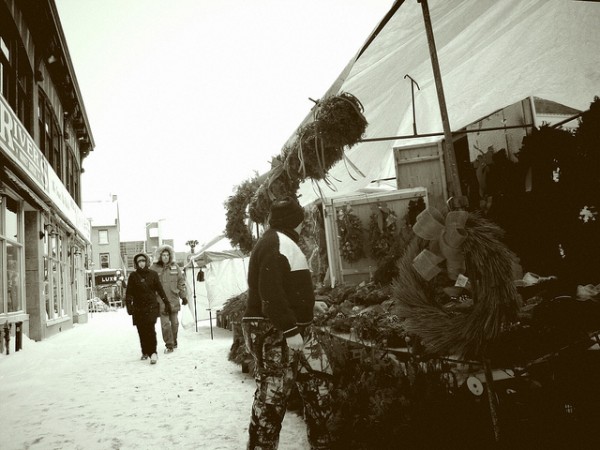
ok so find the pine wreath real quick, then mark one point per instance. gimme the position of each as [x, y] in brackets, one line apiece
[382, 231]
[236, 229]
[351, 235]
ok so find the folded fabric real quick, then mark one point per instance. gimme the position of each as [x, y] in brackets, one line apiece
[587, 292]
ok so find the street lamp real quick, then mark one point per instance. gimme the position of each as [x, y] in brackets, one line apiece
[192, 244]
[120, 279]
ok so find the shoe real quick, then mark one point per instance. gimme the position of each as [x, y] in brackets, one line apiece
[144, 357]
[169, 350]
[153, 358]
[175, 346]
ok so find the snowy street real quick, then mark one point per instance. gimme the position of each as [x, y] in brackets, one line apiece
[86, 388]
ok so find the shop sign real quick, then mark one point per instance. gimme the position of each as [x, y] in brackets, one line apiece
[65, 203]
[19, 147]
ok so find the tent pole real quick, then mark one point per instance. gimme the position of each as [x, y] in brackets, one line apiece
[210, 320]
[194, 289]
[192, 243]
[450, 157]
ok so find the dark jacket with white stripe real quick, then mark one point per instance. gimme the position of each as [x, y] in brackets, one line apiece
[279, 282]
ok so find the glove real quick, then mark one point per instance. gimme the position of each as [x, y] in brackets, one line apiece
[184, 301]
[167, 308]
[295, 342]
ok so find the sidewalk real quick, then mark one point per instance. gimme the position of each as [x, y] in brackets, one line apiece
[86, 388]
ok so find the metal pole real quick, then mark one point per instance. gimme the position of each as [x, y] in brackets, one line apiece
[194, 289]
[192, 244]
[412, 94]
[492, 398]
[450, 157]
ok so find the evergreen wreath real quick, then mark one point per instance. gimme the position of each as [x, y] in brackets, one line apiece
[338, 123]
[236, 229]
[382, 231]
[351, 234]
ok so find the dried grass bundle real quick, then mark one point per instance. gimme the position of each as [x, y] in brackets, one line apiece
[338, 123]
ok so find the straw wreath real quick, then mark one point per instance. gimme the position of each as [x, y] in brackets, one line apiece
[462, 332]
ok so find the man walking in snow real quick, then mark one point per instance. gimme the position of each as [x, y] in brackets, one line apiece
[143, 286]
[173, 282]
[278, 333]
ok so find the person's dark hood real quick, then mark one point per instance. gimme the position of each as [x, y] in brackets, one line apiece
[135, 258]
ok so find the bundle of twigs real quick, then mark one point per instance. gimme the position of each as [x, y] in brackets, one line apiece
[338, 123]
[465, 333]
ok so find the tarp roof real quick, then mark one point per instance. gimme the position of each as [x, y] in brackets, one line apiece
[492, 53]
[206, 257]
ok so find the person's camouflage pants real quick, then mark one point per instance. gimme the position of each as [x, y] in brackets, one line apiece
[276, 370]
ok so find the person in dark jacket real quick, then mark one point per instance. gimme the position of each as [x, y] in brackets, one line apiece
[278, 333]
[143, 286]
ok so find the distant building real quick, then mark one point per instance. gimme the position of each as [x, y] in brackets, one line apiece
[106, 242]
[128, 250]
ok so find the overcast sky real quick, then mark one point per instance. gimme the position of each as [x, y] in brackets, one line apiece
[189, 98]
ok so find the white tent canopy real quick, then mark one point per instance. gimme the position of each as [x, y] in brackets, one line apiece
[225, 276]
[492, 53]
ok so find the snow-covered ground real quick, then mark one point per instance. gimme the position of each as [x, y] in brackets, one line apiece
[86, 388]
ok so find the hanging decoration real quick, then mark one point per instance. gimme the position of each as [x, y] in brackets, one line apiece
[338, 123]
[382, 231]
[237, 229]
[351, 234]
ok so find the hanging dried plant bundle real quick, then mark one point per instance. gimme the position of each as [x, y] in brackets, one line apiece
[338, 123]
[467, 332]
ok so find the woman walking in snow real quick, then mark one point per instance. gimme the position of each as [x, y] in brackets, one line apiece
[143, 286]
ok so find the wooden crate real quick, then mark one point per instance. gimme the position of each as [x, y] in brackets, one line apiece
[341, 271]
[422, 166]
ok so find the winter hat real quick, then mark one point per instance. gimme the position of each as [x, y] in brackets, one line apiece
[286, 213]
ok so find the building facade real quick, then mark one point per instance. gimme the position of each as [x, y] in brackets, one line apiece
[128, 250]
[44, 138]
[106, 264]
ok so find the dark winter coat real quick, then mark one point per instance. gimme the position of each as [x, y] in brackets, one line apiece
[279, 282]
[143, 286]
[171, 277]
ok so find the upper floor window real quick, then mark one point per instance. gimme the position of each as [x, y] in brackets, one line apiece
[15, 72]
[50, 141]
[102, 237]
[104, 260]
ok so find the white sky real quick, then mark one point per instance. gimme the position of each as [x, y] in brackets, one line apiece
[189, 98]
[86, 388]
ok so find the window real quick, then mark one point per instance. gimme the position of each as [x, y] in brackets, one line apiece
[50, 136]
[104, 260]
[102, 237]
[11, 255]
[15, 72]
[55, 276]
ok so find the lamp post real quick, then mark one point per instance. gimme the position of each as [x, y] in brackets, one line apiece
[120, 279]
[192, 244]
